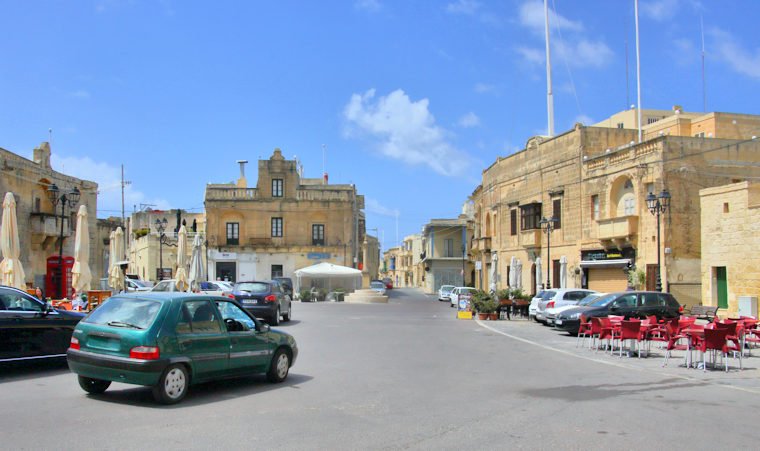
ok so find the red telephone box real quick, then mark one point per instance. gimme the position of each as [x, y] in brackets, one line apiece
[52, 278]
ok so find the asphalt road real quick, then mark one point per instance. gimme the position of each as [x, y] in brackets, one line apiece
[396, 376]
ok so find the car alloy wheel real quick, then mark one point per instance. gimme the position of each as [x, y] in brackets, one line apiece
[172, 386]
[278, 369]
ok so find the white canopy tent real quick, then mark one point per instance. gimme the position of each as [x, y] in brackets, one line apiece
[328, 276]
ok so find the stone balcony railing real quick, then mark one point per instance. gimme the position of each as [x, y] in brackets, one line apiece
[230, 193]
[46, 224]
[622, 227]
[530, 238]
[482, 244]
[324, 195]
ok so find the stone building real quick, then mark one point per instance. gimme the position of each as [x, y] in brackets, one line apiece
[148, 258]
[730, 218]
[39, 222]
[101, 253]
[284, 223]
[595, 181]
[446, 257]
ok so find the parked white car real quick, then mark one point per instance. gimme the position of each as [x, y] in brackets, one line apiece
[558, 297]
[137, 285]
[553, 312]
[460, 292]
[444, 292]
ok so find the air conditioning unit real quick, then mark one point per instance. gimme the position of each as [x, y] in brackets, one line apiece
[748, 306]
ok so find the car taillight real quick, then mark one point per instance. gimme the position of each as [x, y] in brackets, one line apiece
[550, 304]
[144, 352]
[74, 343]
[680, 309]
[229, 295]
[270, 298]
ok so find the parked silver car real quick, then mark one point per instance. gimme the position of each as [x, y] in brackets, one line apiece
[444, 292]
[557, 298]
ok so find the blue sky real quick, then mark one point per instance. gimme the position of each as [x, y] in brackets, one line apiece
[411, 99]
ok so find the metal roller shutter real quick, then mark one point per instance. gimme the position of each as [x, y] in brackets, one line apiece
[607, 280]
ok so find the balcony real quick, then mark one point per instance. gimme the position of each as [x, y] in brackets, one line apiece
[530, 238]
[46, 224]
[618, 231]
[482, 244]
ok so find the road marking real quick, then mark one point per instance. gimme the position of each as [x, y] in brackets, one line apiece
[618, 365]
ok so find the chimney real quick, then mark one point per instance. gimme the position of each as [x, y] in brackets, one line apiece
[42, 155]
[242, 183]
[324, 178]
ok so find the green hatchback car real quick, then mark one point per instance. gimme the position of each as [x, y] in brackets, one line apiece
[171, 340]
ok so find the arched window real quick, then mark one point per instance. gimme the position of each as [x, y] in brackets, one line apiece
[623, 197]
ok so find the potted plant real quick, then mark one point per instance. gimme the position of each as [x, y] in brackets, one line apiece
[485, 305]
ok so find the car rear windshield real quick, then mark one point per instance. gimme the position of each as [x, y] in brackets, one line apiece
[546, 295]
[125, 312]
[377, 285]
[253, 287]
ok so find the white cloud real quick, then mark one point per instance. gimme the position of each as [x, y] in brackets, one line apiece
[368, 5]
[469, 120]
[532, 16]
[372, 205]
[660, 10]
[468, 7]
[574, 47]
[108, 179]
[404, 130]
[724, 46]
[484, 88]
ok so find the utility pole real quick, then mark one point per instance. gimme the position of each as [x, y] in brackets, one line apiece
[123, 219]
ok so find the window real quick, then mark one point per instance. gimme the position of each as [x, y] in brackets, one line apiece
[12, 300]
[513, 222]
[700, 135]
[629, 206]
[233, 233]
[242, 323]
[37, 205]
[620, 125]
[557, 213]
[276, 227]
[198, 317]
[276, 271]
[448, 247]
[276, 187]
[595, 207]
[530, 217]
[318, 234]
[652, 120]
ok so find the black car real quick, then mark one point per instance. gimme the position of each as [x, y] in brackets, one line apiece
[630, 304]
[264, 299]
[30, 329]
[287, 285]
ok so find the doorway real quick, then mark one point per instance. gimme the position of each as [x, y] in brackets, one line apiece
[226, 271]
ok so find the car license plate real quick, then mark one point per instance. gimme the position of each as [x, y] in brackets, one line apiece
[558, 322]
[250, 301]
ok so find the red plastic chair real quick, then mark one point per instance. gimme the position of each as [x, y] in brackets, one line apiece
[734, 332]
[583, 331]
[674, 343]
[604, 327]
[715, 340]
[631, 331]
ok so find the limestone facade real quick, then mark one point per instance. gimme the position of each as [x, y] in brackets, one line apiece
[284, 223]
[39, 223]
[595, 180]
[730, 237]
[146, 254]
[446, 255]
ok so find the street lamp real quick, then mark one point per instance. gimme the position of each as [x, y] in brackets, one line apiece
[548, 226]
[160, 227]
[63, 197]
[658, 205]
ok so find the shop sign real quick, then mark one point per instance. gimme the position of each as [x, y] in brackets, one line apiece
[318, 255]
[609, 255]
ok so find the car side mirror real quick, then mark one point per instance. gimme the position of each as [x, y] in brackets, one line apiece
[263, 327]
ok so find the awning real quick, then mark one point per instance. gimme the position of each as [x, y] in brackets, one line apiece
[618, 262]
